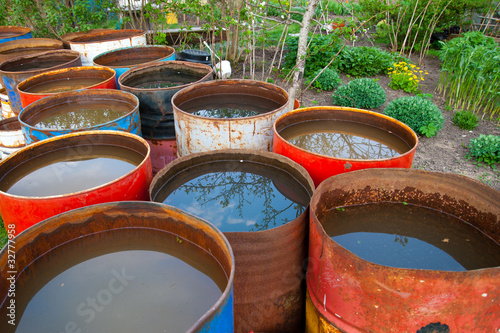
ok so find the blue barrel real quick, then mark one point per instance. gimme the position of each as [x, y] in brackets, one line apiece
[124, 266]
[14, 71]
[83, 110]
[121, 60]
[8, 33]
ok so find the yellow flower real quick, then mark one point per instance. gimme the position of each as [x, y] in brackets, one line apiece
[412, 66]
[426, 72]
[422, 79]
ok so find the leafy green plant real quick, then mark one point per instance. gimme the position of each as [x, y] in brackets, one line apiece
[328, 80]
[406, 77]
[322, 48]
[470, 73]
[486, 149]
[419, 113]
[363, 61]
[465, 120]
[360, 93]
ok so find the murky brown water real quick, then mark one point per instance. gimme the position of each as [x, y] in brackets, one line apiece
[344, 139]
[409, 236]
[58, 86]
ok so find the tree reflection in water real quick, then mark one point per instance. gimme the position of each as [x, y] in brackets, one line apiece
[82, 118]
[343, 145]
[236, 201]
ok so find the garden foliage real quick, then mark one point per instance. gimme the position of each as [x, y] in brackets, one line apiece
[328, 80]
[363, 61]
[486, 149]
[470, 73]
[418, 112]
[465, 120]
[406, 77]
[360, 93]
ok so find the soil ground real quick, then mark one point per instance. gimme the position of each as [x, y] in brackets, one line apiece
[446, 152]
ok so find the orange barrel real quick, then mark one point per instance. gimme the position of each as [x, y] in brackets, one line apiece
[70, 171]
[16, 70]
[63, 80]
[225, 114]
[328, 141]
[259, 201]
[403, 250]
[116, 267]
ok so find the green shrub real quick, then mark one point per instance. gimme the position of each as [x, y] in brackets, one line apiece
[329, 80]
[465, 120]
[322, 48]
[360, 93]
[486, 148]
[419, 113]
[362, 61]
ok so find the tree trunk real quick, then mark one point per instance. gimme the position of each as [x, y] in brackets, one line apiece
[301, 52]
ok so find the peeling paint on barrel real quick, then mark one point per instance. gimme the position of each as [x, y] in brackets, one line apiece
[11, 135]
[130, 122]
[106, 75]
[91, 45]
[12, 76]
[350, 294]
[198, 134]
[23, 212]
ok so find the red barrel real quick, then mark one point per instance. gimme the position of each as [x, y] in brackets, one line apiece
[350, 294]
[25, 211]
[320, 166]
[100, 77]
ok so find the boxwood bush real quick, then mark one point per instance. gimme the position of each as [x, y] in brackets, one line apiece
[329, 80]
[419, 113]
[360, 93]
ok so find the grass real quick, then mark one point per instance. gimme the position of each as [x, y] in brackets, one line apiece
[3, 234]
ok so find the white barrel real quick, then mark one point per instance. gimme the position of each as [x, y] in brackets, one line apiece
[91, 45]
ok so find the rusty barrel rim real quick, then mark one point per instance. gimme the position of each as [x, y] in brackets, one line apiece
[251, 87]
[16, 31]
[163, 52]
[277, 127]
[68, 37]
[71, 55]
[107, 35]
[106, 74]
[64, 141]
[73, 96]
[177, 65]
[35, 238]
[31, 43]
[275, 256]
[460, 196]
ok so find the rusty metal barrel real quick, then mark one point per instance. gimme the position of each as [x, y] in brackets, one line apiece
[350, 293]
[16, 70]
[63, 80]
[155, 84]
[68, 37]
[16, 48]
[11, 136]
[77, 111]
[244, 193]
[92, 44]
[8, 33]
[313, 137]
[123, 59]
[259, 103]
[70, 171]
[102, 245]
